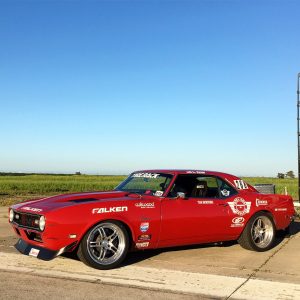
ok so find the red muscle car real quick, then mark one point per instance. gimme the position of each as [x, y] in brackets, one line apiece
[150, 209]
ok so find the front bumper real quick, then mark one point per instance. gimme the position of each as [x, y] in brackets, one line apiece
[33, 250]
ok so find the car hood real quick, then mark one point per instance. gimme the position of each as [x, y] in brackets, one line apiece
[43, 205]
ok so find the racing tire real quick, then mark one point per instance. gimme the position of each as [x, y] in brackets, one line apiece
[259, 233]
[104, 246]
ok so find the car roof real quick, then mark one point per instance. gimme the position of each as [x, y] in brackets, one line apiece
[186, 171]
[232, 179]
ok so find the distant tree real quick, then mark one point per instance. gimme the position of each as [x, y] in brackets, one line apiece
[280, 175]
[290, 174]
[78, 173]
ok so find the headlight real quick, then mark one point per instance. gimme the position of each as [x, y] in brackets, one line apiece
[42, 223]
[11, 215]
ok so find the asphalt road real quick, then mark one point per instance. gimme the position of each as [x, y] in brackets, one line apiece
[198, 272]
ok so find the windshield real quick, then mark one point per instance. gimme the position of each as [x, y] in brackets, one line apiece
[146, 183]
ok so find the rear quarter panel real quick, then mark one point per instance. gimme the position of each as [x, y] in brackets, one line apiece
[281, 207]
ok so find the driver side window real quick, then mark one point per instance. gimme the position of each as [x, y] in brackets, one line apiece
[196, 186]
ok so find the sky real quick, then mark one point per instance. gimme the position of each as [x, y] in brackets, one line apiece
[109, 87]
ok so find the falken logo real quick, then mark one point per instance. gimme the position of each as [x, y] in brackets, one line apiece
[103, 210]
[261, 202]
[145, 205]
[32, 209]
[239, 206]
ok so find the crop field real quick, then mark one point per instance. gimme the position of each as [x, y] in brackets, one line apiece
[15, 189]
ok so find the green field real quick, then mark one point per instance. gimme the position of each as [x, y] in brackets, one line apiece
[15, 189]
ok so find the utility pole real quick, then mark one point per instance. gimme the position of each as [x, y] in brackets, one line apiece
[298, 132]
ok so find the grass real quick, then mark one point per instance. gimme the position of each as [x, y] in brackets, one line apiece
[15, 189]
[291, 184]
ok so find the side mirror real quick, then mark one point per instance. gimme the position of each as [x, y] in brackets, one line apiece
[181, 195]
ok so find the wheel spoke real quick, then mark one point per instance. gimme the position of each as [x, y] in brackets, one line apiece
[259, 223]
[102, 253]
[94, 244]
[102, 232]
[113, 236]
[113, 248]
[255, 236]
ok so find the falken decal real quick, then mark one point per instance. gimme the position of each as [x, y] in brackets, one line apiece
[103, 210]
[238, 222]
[240, 184]
[145, 205]
[239, 206]
[261, 202]
[145, 175]
[32, 209]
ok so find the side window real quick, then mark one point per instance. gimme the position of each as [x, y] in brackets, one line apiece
[205, 187]
[225, 189]
[196, 186]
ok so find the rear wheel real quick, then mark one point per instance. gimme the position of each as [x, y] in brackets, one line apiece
[104, 246]
[259, 233]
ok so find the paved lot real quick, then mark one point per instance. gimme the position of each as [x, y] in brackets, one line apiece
[226, 272]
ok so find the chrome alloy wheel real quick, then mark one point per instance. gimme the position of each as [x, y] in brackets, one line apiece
[262, 231]
[106, 243]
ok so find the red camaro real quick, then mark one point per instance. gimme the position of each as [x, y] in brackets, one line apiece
[150, 209]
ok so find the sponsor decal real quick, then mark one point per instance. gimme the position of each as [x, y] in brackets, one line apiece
[142, 245]
[144, 237]
[281, 209]
[144, 226]
[103, 210]
[158, 193]
[34, 252]
[238, 222]
[32, 209]
[205, 202]
[240, 184]
[145, 175]
[195, 172]
[225, 193]
[239, 206]
[261, 202]
[145, 205]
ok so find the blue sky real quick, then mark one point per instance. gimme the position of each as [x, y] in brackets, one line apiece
[109, 87]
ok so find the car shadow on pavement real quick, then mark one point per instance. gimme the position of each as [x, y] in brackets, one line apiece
[137, 256]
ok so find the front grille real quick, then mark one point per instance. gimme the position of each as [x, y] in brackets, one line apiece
[27, 220]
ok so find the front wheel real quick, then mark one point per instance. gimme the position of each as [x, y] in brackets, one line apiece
[259, 233]
[104, 246]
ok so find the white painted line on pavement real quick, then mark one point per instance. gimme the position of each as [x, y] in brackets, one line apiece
[152, 278]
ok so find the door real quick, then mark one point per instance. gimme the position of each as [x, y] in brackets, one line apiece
[204, 215]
